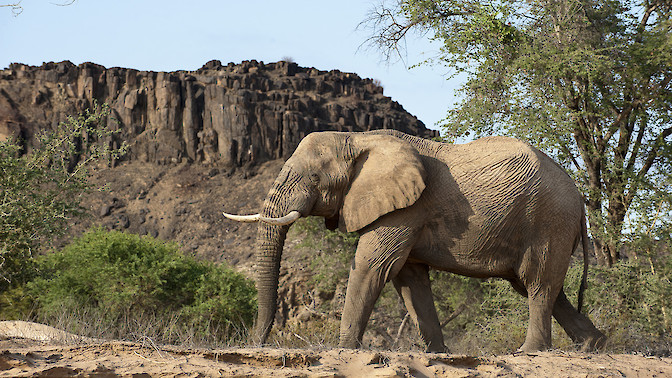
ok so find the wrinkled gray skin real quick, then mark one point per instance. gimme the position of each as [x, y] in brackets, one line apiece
[495, 207]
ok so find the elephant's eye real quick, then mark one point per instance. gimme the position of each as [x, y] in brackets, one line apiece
[315, 177]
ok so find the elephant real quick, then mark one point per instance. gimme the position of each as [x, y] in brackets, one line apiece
[493, 207]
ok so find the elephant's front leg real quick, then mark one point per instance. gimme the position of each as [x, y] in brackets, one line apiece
[380, 255]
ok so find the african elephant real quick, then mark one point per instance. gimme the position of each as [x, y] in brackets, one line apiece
[495, 207]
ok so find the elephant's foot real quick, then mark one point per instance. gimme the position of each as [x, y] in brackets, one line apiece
[531, 347]
[589, 338]
[349, 344]
[538, 337]
[578, 326]
[436, 349]
[535, 344]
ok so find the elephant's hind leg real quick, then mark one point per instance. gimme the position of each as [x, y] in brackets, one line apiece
[380, 255]
[413, 285]
[539, 326]
[542, 275]
[577, 325]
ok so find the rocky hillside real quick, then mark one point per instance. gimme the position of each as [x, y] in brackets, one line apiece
[232, 115]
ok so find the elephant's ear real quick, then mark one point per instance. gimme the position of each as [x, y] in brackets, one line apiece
[388, 175]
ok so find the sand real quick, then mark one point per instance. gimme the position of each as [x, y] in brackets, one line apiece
[29, 349]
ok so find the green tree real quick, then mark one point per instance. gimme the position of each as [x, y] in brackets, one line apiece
[40, 191]
[588, 81]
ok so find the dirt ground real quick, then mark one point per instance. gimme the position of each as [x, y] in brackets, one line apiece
[30, 350]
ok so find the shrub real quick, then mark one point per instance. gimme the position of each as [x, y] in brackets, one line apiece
[630, 302]
[126, 277]
[40, 191]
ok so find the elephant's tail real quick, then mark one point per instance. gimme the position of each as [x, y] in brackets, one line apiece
[584, 277]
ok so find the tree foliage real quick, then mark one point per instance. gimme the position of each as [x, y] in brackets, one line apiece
[40, 191]
[588, 81]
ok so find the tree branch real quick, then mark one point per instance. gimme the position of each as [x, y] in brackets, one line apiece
[401, 330]
[615, 125]
[661, 86]
[648, 163]
[65, 4]
[389, 32]
[454, 315]
[638, 143]
[646, 16]
[16, 7]
[653, 153]
[571, 156]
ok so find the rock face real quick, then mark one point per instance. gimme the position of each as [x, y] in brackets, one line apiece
[233, 115]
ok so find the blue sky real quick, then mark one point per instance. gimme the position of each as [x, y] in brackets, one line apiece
[181, 35]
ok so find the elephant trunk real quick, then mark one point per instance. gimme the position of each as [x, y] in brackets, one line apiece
[271, 240]
[287, 195]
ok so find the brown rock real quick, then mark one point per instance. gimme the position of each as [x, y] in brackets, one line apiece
[234, 115]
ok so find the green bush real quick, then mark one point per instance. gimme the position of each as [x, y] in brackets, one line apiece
[631, 302]
[40, 191]
[124, 276]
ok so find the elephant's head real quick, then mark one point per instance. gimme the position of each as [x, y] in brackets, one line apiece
[350, 179]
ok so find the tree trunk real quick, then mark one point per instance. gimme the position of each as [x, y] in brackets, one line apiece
[615, 216]
[603, 253]
[606, 247]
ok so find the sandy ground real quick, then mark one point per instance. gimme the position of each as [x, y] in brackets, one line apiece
[25, 351]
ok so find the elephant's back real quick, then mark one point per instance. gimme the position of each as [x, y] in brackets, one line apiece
[505, 165]
[515, 193]
[494, 166]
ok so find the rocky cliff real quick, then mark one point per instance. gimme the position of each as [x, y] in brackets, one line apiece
[230, 114]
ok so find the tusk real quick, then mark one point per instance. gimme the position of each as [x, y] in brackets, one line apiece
[283, 221]
[243, 218]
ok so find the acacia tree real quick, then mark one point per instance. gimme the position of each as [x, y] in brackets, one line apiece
[588, 81]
